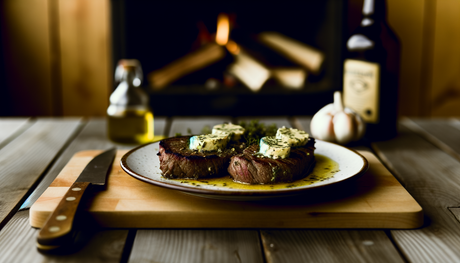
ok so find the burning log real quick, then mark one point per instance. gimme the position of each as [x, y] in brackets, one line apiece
[203, 57]
[287, 73]
[293, 78]
[248, 70]
[253, 63]
[306, 56]
[208, 54]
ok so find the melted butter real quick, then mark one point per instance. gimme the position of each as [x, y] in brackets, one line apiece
[324, 169]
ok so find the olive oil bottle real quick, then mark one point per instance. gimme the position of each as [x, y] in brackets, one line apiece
[371, 70]
[129, 117]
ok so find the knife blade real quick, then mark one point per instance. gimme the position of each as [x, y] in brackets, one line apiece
[59, 229]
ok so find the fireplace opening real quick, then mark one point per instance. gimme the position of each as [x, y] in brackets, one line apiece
[232, 57]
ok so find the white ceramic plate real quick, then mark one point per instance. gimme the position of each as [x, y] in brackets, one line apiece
[143, 163]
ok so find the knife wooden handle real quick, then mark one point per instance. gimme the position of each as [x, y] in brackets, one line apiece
[59, 229]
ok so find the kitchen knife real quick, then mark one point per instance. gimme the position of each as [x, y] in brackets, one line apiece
[59, 229]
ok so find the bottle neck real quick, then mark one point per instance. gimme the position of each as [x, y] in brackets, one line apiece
[129, 76]
[373, 11]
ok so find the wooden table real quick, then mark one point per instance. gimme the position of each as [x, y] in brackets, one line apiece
[425, 158]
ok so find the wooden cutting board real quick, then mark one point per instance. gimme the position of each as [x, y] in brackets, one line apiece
[376, 200]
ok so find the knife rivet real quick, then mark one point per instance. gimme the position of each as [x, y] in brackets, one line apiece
[76, 189]
[61, 217]
[71, 198]
[54, 229]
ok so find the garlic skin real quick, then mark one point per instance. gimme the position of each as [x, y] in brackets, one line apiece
[335, 123]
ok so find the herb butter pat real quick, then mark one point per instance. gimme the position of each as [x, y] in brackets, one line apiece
[208, 142]
[291, 136]
[234, 131]
[274, 148]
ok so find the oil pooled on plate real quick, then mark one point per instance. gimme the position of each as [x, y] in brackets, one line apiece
[324, 169]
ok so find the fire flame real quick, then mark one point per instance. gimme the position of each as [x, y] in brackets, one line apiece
[223, 29]
[233, 47]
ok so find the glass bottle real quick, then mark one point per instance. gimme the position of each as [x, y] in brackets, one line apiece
[371, 72]
[130, 119]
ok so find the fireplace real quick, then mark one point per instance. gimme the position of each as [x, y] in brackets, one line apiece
[159, 34]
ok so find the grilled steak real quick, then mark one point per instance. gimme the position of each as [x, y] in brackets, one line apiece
[253, 168]
[178, 161]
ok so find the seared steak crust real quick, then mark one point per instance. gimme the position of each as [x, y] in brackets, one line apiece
[178, 161]
[253, 168]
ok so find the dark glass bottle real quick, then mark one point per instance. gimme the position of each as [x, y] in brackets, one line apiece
[371, 72]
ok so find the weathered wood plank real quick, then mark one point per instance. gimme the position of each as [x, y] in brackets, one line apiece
[10, 127]
[441, 132]
[25, 159]
[328, 246]
[93, 137]
[199, 246]
[432, 177]
[18, 239]
[194, 125]
[18, 244]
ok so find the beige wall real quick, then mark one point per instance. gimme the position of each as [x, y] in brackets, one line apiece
[58, 55]
[28, 65]
[445, 81]
[429, 31]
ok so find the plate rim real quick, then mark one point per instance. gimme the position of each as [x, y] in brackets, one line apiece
[258, 193]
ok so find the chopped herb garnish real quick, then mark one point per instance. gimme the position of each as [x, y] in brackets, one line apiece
[255, 130]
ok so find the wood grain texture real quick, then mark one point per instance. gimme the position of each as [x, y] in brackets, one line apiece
[85, 48]
[18, 239]
[10, 127]
[328, 246]
[194, 125]
[93, 136]
[440, 132]
[376, 200]
[432, 177]
[25, 159]
[18, 244]
[200, 246]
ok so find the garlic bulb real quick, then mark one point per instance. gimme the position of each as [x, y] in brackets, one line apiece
[335, 123]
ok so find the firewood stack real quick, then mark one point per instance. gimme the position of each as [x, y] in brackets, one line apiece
[253, 60]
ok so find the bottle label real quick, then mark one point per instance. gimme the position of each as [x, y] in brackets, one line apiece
[361, 88]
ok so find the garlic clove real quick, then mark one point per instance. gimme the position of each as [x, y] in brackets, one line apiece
[344, 128]
[336, 123]
[360, 125]
[321, 126]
